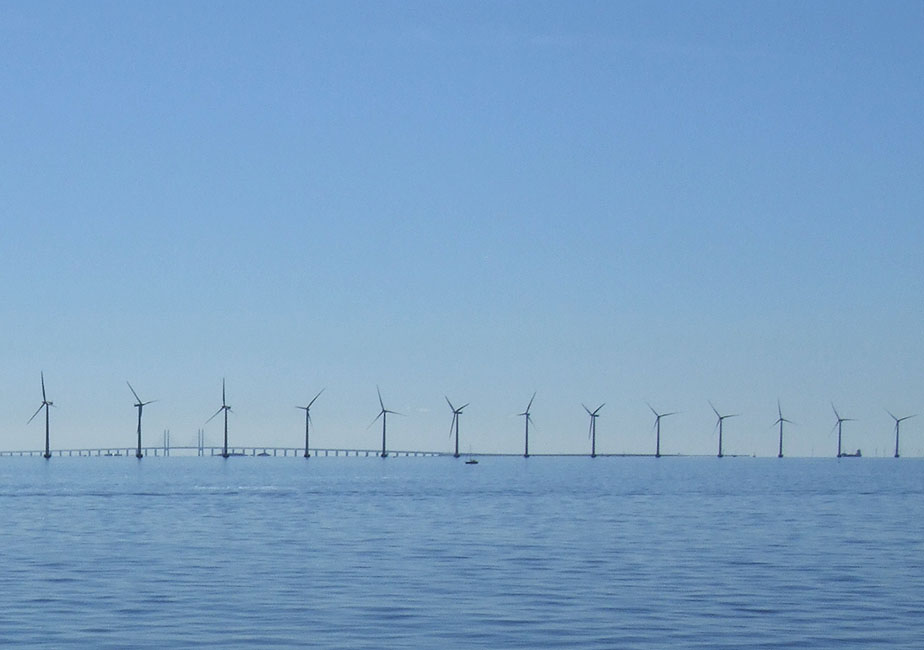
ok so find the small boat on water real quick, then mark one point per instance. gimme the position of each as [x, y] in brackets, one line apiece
[471, 461]
[857, 454]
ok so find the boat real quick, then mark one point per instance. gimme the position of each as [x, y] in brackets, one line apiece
[857, 454]
[471, 461]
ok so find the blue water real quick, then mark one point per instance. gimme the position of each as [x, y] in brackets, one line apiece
[431, 553]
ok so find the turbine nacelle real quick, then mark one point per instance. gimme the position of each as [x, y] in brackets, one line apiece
[455, 410]
[900, 420]
[838, 415]
[596, 412]
[45, 401]
[224, 404]
[658, 416]
[720, 417]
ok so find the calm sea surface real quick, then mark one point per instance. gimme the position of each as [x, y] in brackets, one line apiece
[431, 553]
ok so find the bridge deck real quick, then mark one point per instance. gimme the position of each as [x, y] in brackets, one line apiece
[292, 451]
[216, 451]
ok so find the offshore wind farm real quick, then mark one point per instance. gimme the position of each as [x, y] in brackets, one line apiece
[598, 241]
[332, 448]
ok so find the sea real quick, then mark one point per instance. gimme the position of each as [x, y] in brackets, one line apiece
[273, 552]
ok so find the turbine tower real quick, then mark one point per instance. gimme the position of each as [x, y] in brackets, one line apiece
[307, 410]
[456, 412]
[657, 427]
[837, 426]
[592, 431]
[718, 425]
[529, 418]
[384, 415]
[780, 422]
[44, 405]
[140, 406]
[898, 422]
[226, 409]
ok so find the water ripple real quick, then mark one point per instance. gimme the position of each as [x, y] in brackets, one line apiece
[629, 553]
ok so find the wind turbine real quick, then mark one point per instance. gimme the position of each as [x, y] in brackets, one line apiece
[226, 409]
[384, 415]
[592, 431]
[140, 406]
[456, 412]
[529, 418]
[657, 427]
[45, 404]
[307, 410]
[898, 422]
[780, 422]
[837, 426]
[721, 419]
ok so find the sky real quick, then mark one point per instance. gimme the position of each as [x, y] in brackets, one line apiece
[602, 202]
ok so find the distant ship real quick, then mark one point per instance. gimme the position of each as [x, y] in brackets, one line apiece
[857, 454]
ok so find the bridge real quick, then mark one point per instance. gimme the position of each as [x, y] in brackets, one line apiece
[216, 451]
[261, 451]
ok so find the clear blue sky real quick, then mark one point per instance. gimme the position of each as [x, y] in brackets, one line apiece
[599, 201]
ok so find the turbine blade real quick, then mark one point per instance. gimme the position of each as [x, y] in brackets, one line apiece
[836, 414]
[316, 397]
[714, 410]
[133, 390]
[223, 402]
[586, 409]
[36, 413]
[381, 413]
[530, 402]
[598, 409]
[453, 408]
[44, 399]
[652, 410]
[381, 403]
[215, 414]
[467, 403]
